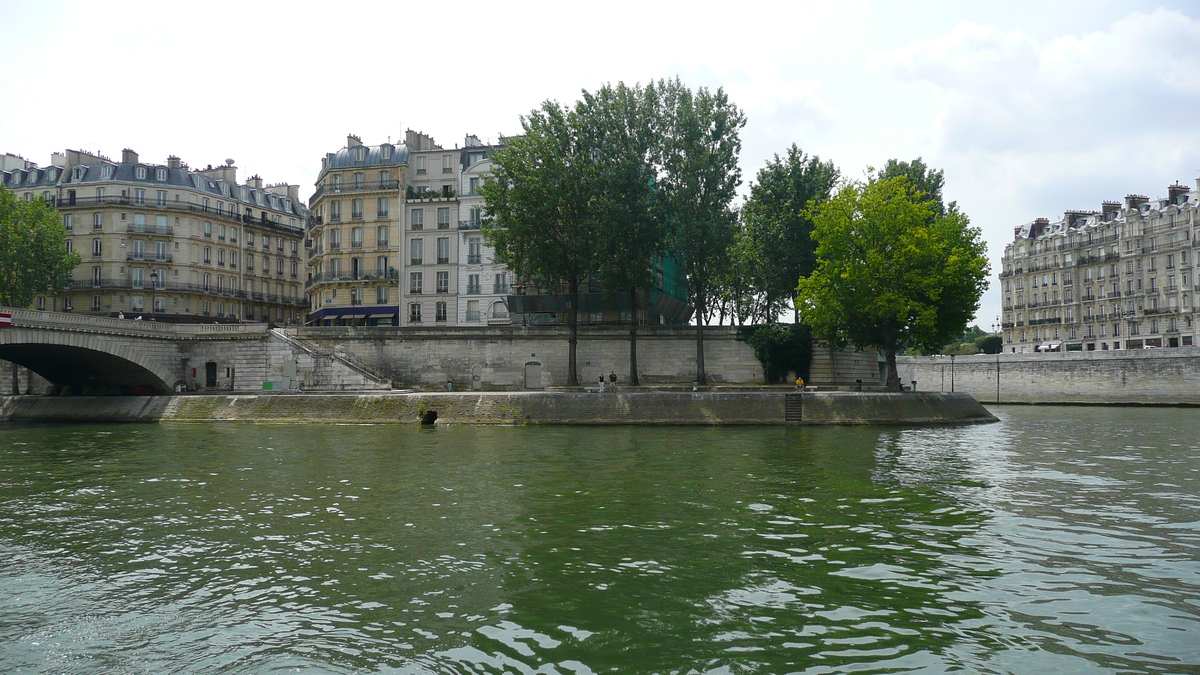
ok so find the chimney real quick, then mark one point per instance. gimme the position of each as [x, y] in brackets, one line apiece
[1174, 192]
[254, 181]
[353, 141]
[472, 141]
[1134, 201]
[129, 157]
[58, 159]
[1110, 209]
[173, 162]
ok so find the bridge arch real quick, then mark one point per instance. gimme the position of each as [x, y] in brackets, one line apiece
[79, 359]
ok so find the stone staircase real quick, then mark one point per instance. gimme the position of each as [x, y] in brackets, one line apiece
[318, 369]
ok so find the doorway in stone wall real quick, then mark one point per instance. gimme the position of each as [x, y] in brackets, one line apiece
[533, 375]
[210, 375]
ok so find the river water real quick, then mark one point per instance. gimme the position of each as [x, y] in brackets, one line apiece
[1060, 540]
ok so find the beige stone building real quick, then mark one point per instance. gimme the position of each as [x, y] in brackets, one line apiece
[428, 271]
[1122, 277]
[354, 235]
[165, 242]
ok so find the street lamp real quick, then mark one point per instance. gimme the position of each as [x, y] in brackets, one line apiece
[997, 327]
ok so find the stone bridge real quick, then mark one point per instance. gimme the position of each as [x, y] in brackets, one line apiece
[110, 355]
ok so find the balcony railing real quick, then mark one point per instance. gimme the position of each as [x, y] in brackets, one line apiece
[366, 186]
[326, 277]
[472, 315]
[226, 214]
[151, 257]
[151, 229]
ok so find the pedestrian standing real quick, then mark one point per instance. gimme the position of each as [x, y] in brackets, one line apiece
[612, 380]
[601, 383]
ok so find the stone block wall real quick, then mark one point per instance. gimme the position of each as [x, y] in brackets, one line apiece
[1150, 377]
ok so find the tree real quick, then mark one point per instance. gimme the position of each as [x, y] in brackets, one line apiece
[892, 272]
[922, 179]
[623, 124]
[778, 225]
[990, 344]
[33, 250]
[699, 152]
[541, 200]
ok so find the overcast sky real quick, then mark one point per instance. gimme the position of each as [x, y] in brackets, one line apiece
[1031, 108]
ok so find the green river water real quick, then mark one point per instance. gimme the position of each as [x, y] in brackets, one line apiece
[1060, 540]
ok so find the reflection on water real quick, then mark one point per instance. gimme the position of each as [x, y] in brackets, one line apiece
[1060, 540]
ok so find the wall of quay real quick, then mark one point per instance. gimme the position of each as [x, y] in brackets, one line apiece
[1118, 377]
[687, 408]
[499, 356]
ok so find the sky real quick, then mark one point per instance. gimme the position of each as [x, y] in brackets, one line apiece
[1030, 108]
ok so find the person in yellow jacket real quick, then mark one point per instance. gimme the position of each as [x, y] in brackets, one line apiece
[799, 384]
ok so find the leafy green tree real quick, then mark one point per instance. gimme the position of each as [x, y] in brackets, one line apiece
[700, 175]
[33, 250]
[922, 180]
[778, 225]
[541, 200]
[892, 272]
[990, 344]
[623, 126]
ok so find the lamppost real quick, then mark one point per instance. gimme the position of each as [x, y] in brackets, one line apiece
[951, 373]
[998, 328]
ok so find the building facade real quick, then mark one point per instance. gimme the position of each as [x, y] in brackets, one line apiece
[484, 283]
[1122, 277]
[354, 239]
[429, 281]
[169, 243]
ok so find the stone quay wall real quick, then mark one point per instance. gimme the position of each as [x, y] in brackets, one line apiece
[686, 408]
[517, 357]
[1118, 377]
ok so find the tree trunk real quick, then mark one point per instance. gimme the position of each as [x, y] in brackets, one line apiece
[795, 312]
[573, 335]
[633, 324]
[700, 377]
[893, 376]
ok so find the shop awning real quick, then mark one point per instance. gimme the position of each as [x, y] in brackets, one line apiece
[381, 316]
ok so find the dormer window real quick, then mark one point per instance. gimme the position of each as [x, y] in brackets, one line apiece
[385, 151]
[360, 153]
[77, 173]
[140, 173]
[160, 174]
[245, 193]
[197, 181]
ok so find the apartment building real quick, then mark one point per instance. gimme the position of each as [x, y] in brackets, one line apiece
[484, 283]
[1122, 277]
[429, 287]
[168, 243]
[354, 241]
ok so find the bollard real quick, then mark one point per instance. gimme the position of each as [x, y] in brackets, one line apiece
[914, 387]
[695, 385]
[449, 385]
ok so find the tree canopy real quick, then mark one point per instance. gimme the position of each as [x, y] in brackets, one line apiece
[777, 246]
[891, 271]
[33, 250]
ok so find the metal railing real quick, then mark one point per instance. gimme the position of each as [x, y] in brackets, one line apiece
[365, 186]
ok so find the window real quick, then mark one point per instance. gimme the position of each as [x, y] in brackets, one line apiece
[137, 277]
[356, 296]
[381, 207]
[360, 153]
[419, 162]
[97, 221]
[139, 303]
[70, 246]
[381, 236]
[207, 255]
[414, 313]
[381, 294]
[443, 250]
[385, 151]
[139, 219]
[139, 196]
[417, 252]
[97, 248]
[220, 233]
[385, 177]
[95, 276]
[443, 282]
[440, 308]
[221, 257]
[474, 186]
[233, 235]
[418, 219]
[279, 267]
[95, 303]
[359, 180]
[207, 228]
[474, 251]
[381, 266]
[414, 283]
[335, 239]
[356, 237]
[444, 218]
[69, 221]
[447, 164]
[501, 283]
[295, 269]
[41, 303]
[249, 238]
[249, 262]
[161, 197]
[337, 182]
[473, 284]
[335, 210]
[472, 310]
[356, 209]
[140, 172]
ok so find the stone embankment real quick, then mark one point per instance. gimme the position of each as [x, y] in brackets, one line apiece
[698, 408]
[1117, 377]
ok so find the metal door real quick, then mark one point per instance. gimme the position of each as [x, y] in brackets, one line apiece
[533, 375]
